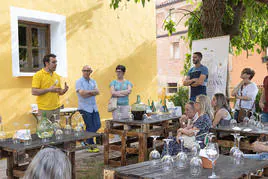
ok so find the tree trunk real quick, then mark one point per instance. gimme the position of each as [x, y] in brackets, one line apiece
[212, 13]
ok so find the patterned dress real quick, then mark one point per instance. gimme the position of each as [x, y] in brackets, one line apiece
[203, 123]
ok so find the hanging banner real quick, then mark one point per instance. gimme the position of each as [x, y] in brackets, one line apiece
[215, 53]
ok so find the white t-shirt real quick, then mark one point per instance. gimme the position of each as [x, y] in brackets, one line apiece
[251, 90]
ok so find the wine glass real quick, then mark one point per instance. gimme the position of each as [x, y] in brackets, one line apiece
[15, 138]
[55, 124]
[130, 116]
[252, 121]
[212, 151]
[238, 154]
[181, 158]
[68, 127]
[167, 160]
[196, 166]
[259, 124]
[234, 148]
[28, 137]
[154, 154]
[233, 123]
[245, 121]
[45, 137]
[196, 147]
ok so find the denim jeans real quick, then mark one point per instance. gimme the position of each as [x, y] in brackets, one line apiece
[264, 117]
[92, 121]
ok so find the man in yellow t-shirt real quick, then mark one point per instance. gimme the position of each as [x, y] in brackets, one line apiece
[46, 86]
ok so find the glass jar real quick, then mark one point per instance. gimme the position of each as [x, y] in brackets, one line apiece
[44, 127]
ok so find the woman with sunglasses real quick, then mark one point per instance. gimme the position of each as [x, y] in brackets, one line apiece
[121, 89]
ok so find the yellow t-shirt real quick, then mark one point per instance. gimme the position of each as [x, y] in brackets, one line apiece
[42, 80]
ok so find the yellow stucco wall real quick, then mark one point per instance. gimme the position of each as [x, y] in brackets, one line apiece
[95, 36]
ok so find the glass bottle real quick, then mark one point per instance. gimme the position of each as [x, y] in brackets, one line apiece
[44, 127]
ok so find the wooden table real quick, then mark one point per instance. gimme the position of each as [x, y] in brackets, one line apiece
[16, 153]
[132, 131]
[224, 168]
[244, 144]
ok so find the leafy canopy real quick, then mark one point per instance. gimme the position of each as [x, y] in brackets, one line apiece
[246, 21]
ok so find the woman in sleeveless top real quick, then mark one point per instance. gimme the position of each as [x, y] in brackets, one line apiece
[121, 89]
[221, 108]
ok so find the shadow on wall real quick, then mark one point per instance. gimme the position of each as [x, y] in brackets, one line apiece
[80, 20]
[4, 33]
[141, 70]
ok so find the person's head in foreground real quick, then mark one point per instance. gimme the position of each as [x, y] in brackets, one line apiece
[49, 163]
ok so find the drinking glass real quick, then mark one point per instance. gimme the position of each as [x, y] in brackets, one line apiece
[181, 158]
[55, 124]
[167, 160]
[130, 116]
[245, 121]
[259, 124]
[15, 138]
[28, 137]
[238, 154]
[68, 127]
[196, 147]
[233, 123]
[154, 154]
[252, 121]
[196, 166]
[234, 148]
[212, 151]
[46, 137]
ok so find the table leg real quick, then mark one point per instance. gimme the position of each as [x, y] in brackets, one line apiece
[10, 166]
[142, 147]
[106, 147]
[72, 159]
[123, 149]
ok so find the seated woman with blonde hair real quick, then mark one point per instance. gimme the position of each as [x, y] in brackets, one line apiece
[201, 124]
[221, 108]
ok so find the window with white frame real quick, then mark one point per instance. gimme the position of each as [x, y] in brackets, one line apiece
[33, 45]
[34, 34]
[175, 50]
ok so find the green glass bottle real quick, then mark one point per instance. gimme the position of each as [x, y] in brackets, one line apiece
[44, 127]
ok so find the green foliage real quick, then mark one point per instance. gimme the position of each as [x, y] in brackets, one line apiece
[187, 64]
[252, 30]
[181, 97]
[246, 31]
[169, 25]
[115, 3]
[257, 100]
